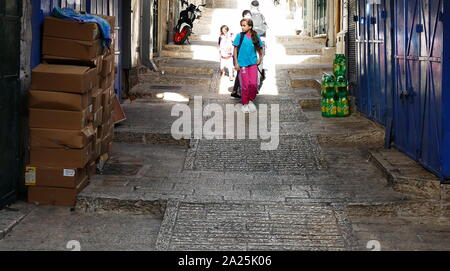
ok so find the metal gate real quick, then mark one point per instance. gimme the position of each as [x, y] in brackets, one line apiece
[320, 17]
[10, 26]
[351, 47]
[373, 60]
[419, 97]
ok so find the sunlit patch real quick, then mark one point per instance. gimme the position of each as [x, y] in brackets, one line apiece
[172, 97]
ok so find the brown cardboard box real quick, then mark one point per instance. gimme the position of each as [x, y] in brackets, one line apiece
[56, 138]
[108, 81]
[97, 96]
[97, 149]
[96, 62]
[91, 169]
[54, 176]
[105, 143]
[117, 111]
[64, 78]
[110, 148]
[106, 97]
[98, 117]
[60, 28]
[59, 100]
[105, 129]
[107, 113]
[79, 49]
[55, 196]
[111, 20]
[107, 65]
[58, 119]
[66, 158]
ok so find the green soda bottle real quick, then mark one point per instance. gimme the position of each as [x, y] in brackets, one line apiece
[342, 104]
[327, 83]
[328, 101]
[339, 65]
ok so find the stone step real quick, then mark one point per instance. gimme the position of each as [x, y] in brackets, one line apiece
[198, 52]
[329, 51]
[148, 122]
[304, 50]
[162, 93]
[176, 79]
[310, 69]
[305, 81]
[310, 103]
[177, 54]
[290, 40]
[319, 59]
[196, 44]
[135, 178]
[183, 70]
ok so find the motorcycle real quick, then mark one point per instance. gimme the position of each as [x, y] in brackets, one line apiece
[183, 29]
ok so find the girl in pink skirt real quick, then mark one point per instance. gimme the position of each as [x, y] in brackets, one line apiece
[246, 45]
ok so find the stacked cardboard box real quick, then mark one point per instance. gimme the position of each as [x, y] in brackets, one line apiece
[70, 103]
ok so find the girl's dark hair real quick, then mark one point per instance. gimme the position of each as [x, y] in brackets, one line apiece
[245, 12]
[222, 27]
[253, 32]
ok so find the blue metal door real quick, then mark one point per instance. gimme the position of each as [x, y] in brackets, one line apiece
[418, 126]
[373, 41]
[10, 14]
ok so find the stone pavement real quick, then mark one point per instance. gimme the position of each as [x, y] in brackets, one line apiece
[321, 189]
[51, 228]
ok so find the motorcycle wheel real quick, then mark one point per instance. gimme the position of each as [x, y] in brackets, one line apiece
[181, 37]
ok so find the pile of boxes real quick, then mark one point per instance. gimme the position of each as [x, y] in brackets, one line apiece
[71, 111]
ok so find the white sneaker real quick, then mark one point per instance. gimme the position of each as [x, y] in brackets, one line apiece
[245, 109]
[252, 107]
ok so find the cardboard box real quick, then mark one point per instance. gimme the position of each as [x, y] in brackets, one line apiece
[58, 119]
[60, 28]
[91, 169]
[54, 176]
[103, 130]
[59, 100]
[64, 78]
[56, 138]
[108, 81]
[117, 111]
[97, 96]
[111, 20]
[107, 114]
[105, 143]
[55, 196]
[98, 117]
[66, 158]
[78, 49]
[98, 149]
[106, 97]
[107, 65]
[110, 148]
[96, 62]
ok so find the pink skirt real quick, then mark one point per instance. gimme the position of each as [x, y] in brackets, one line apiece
[248, 77]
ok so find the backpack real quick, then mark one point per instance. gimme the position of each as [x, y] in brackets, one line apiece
[259, 23]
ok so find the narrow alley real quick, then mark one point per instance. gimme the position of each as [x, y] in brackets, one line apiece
[329, 184]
